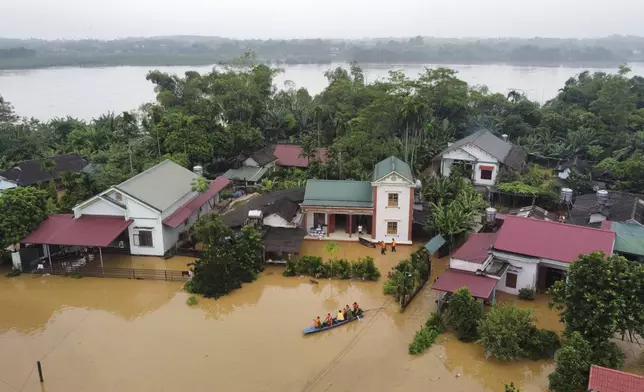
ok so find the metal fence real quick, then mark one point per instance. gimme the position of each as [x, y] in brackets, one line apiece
[122, 273]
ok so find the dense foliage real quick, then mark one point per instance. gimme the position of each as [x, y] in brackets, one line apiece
[363, 268]
[463, 315]
[195, 50]
[509, 333]
[426, 336]
[601, 297]
[22, 211]
[527, 293]
[409, 274]
[228, 259]
[574, 361]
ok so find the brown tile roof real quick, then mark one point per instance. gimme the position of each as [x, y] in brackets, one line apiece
[610, 380]
[290, 155]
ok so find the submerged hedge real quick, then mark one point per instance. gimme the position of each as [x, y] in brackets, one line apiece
[363, 268]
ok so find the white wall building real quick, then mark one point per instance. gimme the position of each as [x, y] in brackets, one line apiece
[523, 253]
[157, 205]
[383, 207]
[483, 154]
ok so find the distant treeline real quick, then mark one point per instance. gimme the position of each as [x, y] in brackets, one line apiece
[194, 50]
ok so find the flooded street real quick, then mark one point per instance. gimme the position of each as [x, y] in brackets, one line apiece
[95, 334]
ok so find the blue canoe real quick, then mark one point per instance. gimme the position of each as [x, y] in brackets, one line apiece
[335, 324]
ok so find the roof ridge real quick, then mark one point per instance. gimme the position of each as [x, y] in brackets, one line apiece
[149, 170]
[557, 223]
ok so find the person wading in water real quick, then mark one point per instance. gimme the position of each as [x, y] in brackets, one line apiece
[383, 247]
[393, 245]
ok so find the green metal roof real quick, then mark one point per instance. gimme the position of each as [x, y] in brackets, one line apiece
[392, 164]
[251, 174]
[338, 193]
[435, 243]
[629, 238]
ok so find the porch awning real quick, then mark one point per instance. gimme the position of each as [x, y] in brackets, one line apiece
[283, 239]
[435, 243]
[452, 280]
[484, 167]
[88, 230]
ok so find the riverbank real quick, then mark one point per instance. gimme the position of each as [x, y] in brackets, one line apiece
[171, 60]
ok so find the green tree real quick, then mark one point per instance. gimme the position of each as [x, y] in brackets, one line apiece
[23, 209]
[200, 184]
[511, 388]
[505, 332]
[596, 300]
[463, 315]
[228, 259]
[573, 365]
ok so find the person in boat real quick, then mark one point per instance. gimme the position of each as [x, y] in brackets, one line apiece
[317, 323]
[340, 316]
[356, 310]
[328, 321]
[347, 313]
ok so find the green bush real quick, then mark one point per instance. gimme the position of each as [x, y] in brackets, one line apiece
[363, 268]
[543, 344]
[463, 315]
[13, 273]
[192, 300]
[505, 332]
[423, 339]
[340, 268]
[290, 269]
[436, 321]
[528, 293]
[390, 287]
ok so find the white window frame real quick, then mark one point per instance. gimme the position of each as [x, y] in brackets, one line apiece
[389, 194]
[395, 223]
[137, 239]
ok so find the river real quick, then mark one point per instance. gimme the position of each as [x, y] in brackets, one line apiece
[89, 92]
[98, 335]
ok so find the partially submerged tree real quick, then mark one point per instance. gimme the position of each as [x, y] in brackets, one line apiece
[601, 297]
[463, 315]
[228, 260]
[23, 209]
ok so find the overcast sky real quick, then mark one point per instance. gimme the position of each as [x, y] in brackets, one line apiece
[107, 19]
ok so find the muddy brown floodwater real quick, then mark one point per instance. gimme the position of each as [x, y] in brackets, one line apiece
[125, 335]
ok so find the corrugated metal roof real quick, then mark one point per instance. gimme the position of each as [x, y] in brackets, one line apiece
[88, 230]
[252, 174]
[31, 172]
[191, 206]
[161, 185]
[629, 237]
[392, 164]
[435, 243]
[452, 280]
[551, 240]
[476, 248]
[338, 193]
[603, 379]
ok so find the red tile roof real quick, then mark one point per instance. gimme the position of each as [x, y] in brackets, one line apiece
[289, 155]
[610, 380]
[191, 206]
[88, 230]
[475, 249]
[551, 240]
[451, 280]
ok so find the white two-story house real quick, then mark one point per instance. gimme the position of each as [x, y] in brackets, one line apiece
[377, 210]
[483, 154]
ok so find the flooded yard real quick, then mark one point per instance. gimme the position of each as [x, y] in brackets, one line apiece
[95, 334]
